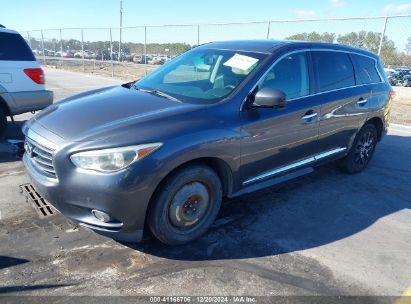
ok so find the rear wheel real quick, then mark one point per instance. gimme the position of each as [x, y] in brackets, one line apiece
[186, 205]
[361, 151]
[3, 124]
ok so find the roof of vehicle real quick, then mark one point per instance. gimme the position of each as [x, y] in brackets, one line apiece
[269, 46]
[6, 30]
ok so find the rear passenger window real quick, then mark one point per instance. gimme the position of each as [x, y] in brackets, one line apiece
[335, 70]
[14, 48]
[289, 75]
[366, 69]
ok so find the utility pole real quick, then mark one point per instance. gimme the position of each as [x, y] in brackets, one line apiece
[121, 28]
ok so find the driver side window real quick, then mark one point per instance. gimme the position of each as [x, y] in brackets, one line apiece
[289, 75]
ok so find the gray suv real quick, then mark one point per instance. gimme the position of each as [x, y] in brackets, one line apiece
[221, 120]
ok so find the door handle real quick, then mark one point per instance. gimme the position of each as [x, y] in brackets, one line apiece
[309, 116]
[362, 102]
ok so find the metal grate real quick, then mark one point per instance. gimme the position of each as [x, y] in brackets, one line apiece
[42, 157]
[42, 207]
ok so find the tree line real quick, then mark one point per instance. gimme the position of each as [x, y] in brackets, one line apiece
[98, 46]
[370, 41]
[367, 40]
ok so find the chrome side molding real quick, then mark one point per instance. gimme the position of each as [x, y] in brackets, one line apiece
[300, 163]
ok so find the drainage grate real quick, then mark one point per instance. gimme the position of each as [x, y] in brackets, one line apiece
[42, 207]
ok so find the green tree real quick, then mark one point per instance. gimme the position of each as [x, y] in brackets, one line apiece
[313, 36]
[371, 41]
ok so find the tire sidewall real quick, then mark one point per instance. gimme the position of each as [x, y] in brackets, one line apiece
[351, 155]
[158, 218]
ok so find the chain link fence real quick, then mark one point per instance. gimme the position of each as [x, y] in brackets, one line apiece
[143, 48]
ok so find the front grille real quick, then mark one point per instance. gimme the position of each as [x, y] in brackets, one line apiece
[41, 157]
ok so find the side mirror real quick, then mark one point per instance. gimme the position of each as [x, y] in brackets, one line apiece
[269, 98]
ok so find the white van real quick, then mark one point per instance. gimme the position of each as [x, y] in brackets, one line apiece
[21, 79]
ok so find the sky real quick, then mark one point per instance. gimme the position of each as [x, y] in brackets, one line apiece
[26, 15]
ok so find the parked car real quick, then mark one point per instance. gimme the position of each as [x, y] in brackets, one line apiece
[60, 54]
[389, 72]
[105, 55]
[21, 79]
[406, 81]
[141, 59]
[157, 60]
[221, 120]
[86, 54]
[68, 54]
[397, 78]
[37, 52]
[49, 52]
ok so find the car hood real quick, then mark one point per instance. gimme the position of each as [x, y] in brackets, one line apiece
[92, 115]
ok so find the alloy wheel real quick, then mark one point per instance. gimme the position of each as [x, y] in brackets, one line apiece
[364, 149]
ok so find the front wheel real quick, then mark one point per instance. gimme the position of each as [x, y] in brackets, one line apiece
[361, 151]
[186, 205]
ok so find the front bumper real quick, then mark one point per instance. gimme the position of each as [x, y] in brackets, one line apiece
[76, 193]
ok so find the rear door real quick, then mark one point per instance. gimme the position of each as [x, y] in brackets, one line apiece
[343, 101]
[15, 56]
[369, 76]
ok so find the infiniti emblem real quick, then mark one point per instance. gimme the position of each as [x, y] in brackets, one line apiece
[29, 148]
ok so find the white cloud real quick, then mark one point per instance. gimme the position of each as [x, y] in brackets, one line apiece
[305, 13]
[337, 3]
[397, 9]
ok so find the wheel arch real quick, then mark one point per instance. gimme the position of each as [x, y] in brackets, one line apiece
[379, 125]
[4, 106]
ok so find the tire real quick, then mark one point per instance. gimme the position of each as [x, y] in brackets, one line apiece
[3, 124]
[361, 152]
[186, 205]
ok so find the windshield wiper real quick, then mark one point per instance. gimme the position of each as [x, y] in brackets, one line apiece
[158, 93]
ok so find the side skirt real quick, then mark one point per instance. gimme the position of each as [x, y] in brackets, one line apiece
[273, 181]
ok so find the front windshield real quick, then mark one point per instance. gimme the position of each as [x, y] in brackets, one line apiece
[203, 75]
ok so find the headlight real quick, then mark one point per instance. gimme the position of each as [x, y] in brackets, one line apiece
[112, 160]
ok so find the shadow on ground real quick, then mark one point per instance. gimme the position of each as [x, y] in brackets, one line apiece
[18, 288]
[6, 261]
[11, 148]
[315, 210]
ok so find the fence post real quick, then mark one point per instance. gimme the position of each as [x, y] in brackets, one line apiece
[382, 36]
[268, 30]
[82, 50]
[61, 49]
[145, 50]
[111, 53]
[119, 46]
[198, 34]
[29, 40]
[42, 46]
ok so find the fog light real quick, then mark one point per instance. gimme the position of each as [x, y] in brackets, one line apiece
[101, 216]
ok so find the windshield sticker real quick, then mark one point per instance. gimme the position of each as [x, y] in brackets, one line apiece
[241, 62]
